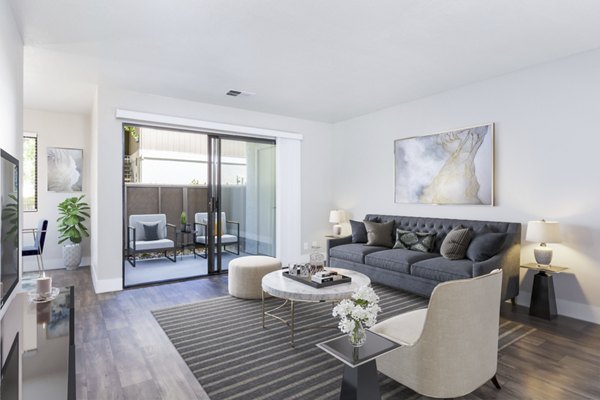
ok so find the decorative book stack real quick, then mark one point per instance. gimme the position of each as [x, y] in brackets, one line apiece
[326, 276]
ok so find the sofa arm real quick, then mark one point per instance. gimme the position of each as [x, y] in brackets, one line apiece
[487, 266]
[509, 261]
[338, 241]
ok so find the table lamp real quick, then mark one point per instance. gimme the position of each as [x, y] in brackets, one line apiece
[336, 217]
[543, 232]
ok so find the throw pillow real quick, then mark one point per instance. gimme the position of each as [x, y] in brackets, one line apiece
[456, 242]
[485, 246]
[150, 230]
[379, 234]
[359, 232]
[419, 241]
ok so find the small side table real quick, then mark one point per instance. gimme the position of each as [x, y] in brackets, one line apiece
[184, 240]
[543, 299]
[360, 368]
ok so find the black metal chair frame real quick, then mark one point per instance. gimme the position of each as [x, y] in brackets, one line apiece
[205, 227]
[131, 252]
[39, 250]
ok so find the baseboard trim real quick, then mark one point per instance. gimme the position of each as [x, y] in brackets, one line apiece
[585, 312]
[30, 264]
[105, 285]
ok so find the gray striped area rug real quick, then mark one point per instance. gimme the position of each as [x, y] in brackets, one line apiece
[234, 358]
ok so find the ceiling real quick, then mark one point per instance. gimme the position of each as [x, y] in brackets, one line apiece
[322, 60]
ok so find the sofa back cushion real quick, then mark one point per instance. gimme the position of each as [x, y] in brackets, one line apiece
[442, 226]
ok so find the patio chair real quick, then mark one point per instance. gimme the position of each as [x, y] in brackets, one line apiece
[37, 248]
[228, 237]
[147, 233]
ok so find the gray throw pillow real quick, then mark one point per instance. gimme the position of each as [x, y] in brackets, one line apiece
[150, 230]
[456, 242]
[379, 234]
[418, 241]
[485, 246]
[359, 232]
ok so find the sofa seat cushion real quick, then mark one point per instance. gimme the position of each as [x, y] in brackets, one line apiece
[354, 252]
[398, 260]
[441, 270]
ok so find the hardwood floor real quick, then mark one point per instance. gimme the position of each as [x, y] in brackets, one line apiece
[122, 353]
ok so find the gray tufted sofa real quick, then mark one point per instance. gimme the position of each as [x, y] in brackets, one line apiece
[419, 272]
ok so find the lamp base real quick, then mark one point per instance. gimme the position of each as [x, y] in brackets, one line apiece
[543, 255]
[337, 230]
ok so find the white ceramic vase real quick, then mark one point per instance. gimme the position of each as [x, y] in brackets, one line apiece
[72, 255]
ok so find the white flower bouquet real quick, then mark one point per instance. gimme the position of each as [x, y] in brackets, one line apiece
[358, 312]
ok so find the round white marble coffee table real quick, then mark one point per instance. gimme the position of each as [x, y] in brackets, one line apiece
[275, 284]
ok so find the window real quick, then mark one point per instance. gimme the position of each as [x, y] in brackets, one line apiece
[30, 172]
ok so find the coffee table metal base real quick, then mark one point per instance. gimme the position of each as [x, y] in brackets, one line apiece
[360, 383]
[291, 323]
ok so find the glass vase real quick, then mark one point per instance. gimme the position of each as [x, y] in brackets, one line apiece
[358, 335]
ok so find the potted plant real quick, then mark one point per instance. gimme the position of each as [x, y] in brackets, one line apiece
[183, 221]
[72, 214]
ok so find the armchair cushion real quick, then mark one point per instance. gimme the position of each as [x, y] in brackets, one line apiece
[137, 220]
[152, 245]
[404, 328]
[225, 239]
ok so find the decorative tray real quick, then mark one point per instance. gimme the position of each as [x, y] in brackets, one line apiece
[306, 280]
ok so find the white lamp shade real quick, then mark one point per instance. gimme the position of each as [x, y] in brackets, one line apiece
[543, 232]
[335, 216]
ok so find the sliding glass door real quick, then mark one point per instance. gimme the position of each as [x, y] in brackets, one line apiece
[241, 191]
[212, 195]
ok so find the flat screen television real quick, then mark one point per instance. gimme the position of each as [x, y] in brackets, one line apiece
[9, 225]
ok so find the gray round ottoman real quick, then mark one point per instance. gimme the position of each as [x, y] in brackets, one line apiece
[246, 273]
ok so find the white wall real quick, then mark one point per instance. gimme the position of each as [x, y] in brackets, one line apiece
[55, 129]
[107, 176]
[547, 148]
[11, 117]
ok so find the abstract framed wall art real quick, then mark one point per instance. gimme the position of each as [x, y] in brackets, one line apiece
[65, 169]
[454, 167]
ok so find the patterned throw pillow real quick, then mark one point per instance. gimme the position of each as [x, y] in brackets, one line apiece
[419, 241]
[456, 242]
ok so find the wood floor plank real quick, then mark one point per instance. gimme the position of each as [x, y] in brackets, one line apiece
[122, 353]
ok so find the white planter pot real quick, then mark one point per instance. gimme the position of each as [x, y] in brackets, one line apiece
[72, 255]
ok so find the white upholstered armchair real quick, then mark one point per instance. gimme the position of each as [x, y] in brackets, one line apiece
[450, 348]
[147, 233]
